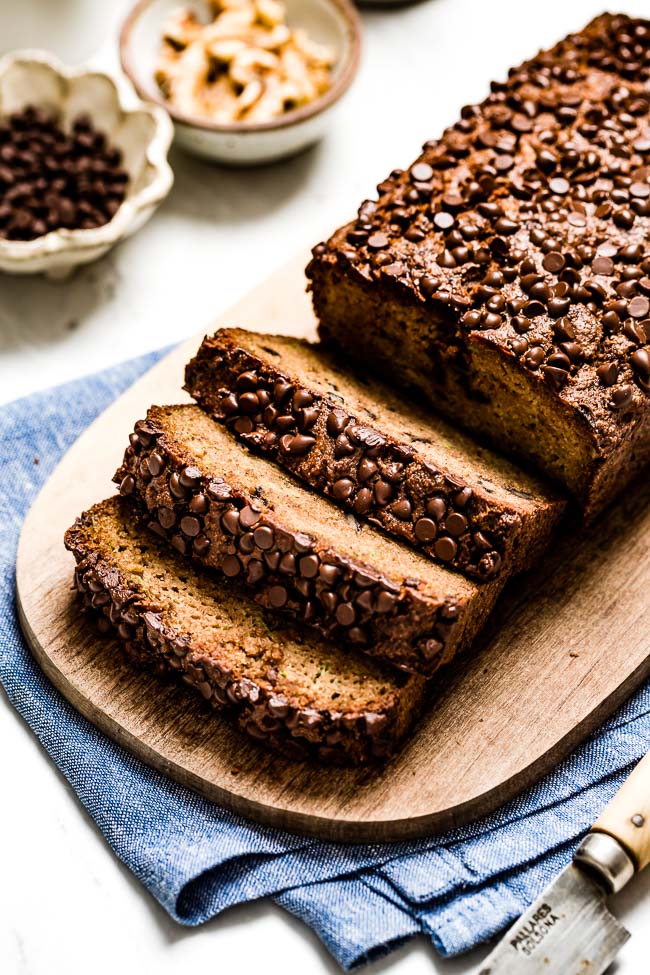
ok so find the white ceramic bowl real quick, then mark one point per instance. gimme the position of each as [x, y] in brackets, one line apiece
[331, 22]
[143, 133]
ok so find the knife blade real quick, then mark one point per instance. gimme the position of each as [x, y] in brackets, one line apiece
[569, 929]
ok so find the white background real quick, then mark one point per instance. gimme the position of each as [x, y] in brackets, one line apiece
[66, 905]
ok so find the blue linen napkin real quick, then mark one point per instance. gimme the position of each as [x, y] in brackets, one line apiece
[197, 859]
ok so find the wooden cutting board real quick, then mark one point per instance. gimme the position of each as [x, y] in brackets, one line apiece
[567, 645]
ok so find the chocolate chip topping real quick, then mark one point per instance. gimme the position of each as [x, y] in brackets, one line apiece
[222, 524]
[357, 465]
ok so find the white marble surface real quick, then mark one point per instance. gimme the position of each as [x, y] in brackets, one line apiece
[67, 906]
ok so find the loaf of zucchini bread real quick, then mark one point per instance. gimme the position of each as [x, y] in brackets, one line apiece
[284, 687]
[505, 274]
[373, 453]
[297, 553]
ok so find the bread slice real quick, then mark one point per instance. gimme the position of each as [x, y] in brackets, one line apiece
[299, 553]
[374, 453]
[284, 686]
[505, 273]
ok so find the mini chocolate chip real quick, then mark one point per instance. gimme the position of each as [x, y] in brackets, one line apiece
[230, 521]
[249, 403]
[622, 397]
[553, 262]
[603, 265]
[564, 330]
[383, 492]
[556, 377]
[281, 389]
[219, 490]
[425, 529]
[155, 463]
[166, 517]
[343, 488]
[402, 509]
[377, 241]
[243, 425]
[641, 362]
[175, 488]
[337, 422]
[246, 381]
[608, 373]
[246, 543]
[277, 596]
[264, 537]
[302, 542]
[302, 399]
[199, 504]
[443, 220]
[300, 444]
[436, 508]
[385, 602]
[287, 564]
[363, 501]
[421, 172]
[201, 546]
[639, 307]
[345, 614]
[534, 357]
[455, 523]
[127, 485]
[190, 478]
[429, 285]
[329, 573]
[231, 566]
[308, 566]
[190, 526]
[248, 516]
[367, 468]
[559, 186]
[445, 548]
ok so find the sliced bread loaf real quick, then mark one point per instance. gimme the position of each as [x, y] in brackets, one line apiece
[301, 555]
[387, 460]
[284, 686]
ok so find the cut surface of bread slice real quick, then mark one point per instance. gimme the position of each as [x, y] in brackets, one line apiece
[300, 554]
[388, 461]
[283, 685]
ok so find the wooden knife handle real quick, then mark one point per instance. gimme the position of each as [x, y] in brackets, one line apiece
[627, 817]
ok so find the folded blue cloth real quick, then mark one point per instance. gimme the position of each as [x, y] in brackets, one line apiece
[197, 859]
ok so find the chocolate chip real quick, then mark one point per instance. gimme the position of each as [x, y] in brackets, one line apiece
[436, 508]
[641, 362]
[559, 186]
[363, 501]
[343, 488]
[277, 596]
[248, 516]
[383, 492]
[246, 543]
[603, 265]
[421, 172]
[166, 517]
[622, 397]
[377, 241]
[177, 491]
[219, 490]
[443, 220]
[300, 444]
[127, 485]
[190, 478]
[367, 468]
[287, 564]
[199, 505]
[386, 602]
[455, 523]
[308, 566]
[230, 521]
[337, 422]
[425, 529]
[231, 566]
[402, 509]
[264, 537]
[254, 572]
[246, 381]
[345, 614]
[553, 262]
[190, 526]
[201, 546]
[534, 357]
[639, 307]
[445, 549]
[608, 373]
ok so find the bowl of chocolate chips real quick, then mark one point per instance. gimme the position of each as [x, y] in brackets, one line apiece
[83, 163]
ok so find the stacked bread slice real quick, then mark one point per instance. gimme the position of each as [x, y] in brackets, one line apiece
[302, 548]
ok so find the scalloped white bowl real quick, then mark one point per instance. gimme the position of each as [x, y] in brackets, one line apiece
[142, 132]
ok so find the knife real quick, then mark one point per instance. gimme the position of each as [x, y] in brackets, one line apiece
[569, 929]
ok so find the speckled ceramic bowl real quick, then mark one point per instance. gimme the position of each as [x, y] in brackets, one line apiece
[143, 133]
[331, 22]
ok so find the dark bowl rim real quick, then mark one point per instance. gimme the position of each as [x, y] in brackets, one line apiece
[295, 117]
